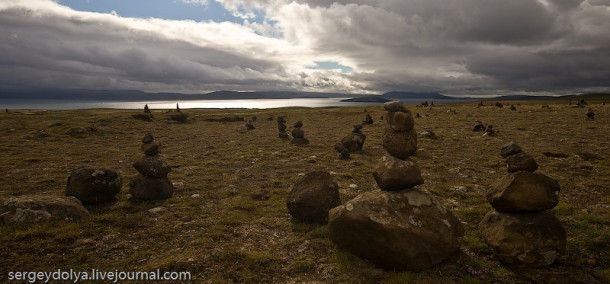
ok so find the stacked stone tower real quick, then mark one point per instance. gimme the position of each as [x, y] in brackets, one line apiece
[298, 135]
[520, 230]
[152, 181]
[400, 226]
[281, 127]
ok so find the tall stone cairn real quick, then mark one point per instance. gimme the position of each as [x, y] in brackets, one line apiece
[281, 127]
[152, 182]
[400, 226]
[520, 230]
[298, 135]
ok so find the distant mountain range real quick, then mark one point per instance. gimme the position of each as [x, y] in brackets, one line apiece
[134, 95]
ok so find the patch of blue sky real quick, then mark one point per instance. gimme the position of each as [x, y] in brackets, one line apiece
[166, 9]
[331, 65]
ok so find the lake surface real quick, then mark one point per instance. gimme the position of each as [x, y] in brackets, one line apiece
[187, 104]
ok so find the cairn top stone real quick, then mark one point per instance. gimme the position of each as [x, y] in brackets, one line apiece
[510, 148]
[148, 138]
[395, 106]
[298, 124]
[280, 119]
[521, 162]
[357, 128]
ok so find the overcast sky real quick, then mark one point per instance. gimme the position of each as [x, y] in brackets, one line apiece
[475, 47]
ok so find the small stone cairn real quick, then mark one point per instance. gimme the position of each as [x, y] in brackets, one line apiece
[400, 226]
[298, 135]
[281, 127]
[520, 230]
[152, 182]
[351, 143]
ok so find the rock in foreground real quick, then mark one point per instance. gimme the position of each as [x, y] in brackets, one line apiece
[312, 196]
[35, 208]
[93, 185]
[523, 192]
[405, 230]
[535, 239]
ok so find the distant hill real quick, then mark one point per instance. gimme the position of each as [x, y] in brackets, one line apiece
[414, 95]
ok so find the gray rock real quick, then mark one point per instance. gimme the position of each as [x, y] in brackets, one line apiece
[148, 138]
[521, 162]
[151, 188]
[37, 208]
[392, 173]
[399, 144]
[510, 148]
[524, 191]
[298, 133]
[93, 185]
[395, 106]
[400, 121]
[151, 149]
[312, 196]
[403, 230]
[354, 141]
[153, 166]
[533, 239]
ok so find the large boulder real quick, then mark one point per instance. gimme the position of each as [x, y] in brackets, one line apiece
[521, 162]
[312, 196]
[151, 188]
[404, 230]
[93, 185]
[35, 208]
[153, 166]
[392, 173]
[399, 144]
[524, 191]
[534, 239]
[400, 121]
[353, 141]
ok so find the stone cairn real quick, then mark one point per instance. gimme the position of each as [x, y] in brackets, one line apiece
[298, 135]
[281, 127]
[351, 143]
[400, 226]
[152, 182]
[520, 229]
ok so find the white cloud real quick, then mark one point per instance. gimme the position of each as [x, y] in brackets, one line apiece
[416, 45]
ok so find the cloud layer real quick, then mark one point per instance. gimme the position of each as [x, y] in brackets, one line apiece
[456, 47]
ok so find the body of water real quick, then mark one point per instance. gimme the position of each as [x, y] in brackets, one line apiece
[250, 103]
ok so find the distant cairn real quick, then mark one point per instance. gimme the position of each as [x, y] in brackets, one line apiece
[152, 182]
[281, 127]
[298, 135]
[520, 229]
[351, 143]
[391, 227]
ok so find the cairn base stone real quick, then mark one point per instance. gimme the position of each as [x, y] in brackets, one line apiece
[299, 141]
[36, 208]
[151, 149]
[312, 196]
[404, 230]
[524, 191]
[392, 173]
[93, 185]
[298, 133]
[399, 144]
[533, 239]
[151, 188]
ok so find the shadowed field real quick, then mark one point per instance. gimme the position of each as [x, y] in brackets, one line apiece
[228, 220]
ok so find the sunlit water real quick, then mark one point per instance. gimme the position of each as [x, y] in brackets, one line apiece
[255, 103]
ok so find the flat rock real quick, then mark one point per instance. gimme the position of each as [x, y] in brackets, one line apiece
[148, 138]
[312, 196]
[93, 185]
[150, 188]
[392, 173]
[510, 148]
[36, 208]
[400, 120]
[524, 191]
[399, 144]
[533, 239]
[153, 166]
[402, 230]
[521, 162]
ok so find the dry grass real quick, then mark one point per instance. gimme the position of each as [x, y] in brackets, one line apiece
[228, 233]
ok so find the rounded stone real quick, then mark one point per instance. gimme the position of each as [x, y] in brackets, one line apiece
[151, 188]
[93, 185]
[400, 121]
[392, 173]
[151, 149]
[312, 196]
[399, 144]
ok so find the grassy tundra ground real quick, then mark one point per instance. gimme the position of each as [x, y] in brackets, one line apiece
[228, 220]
